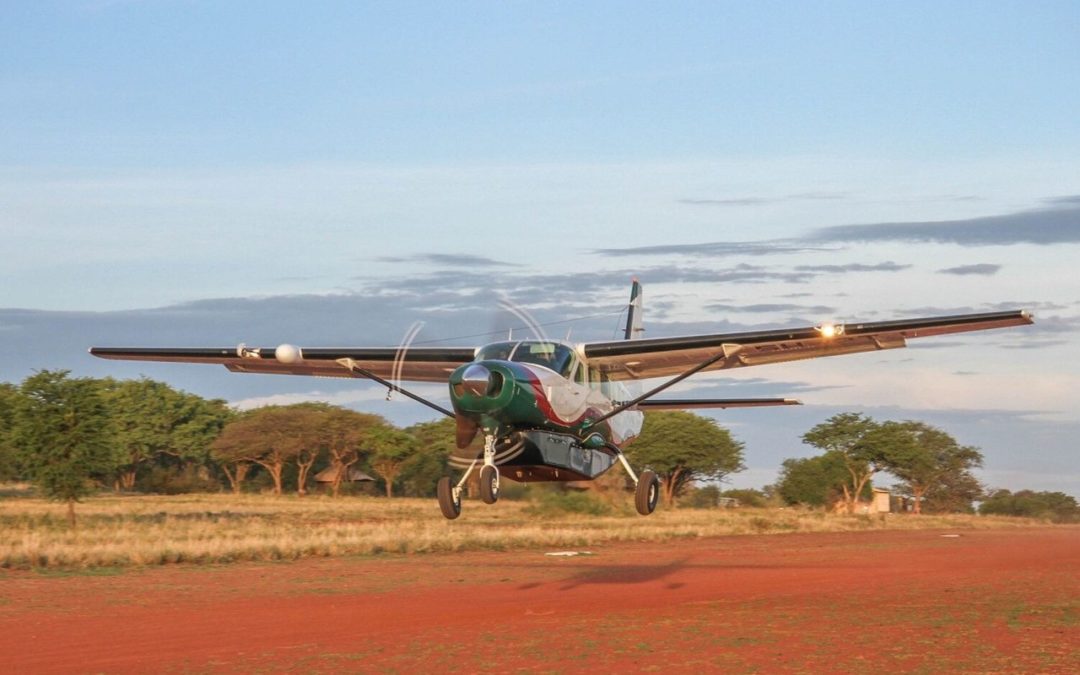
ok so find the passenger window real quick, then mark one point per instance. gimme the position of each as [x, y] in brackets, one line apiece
[594, 378]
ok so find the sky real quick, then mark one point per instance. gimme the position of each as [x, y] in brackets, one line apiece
[327, 174]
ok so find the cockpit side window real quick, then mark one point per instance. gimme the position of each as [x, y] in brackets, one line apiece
[579, 372]
[497, 351]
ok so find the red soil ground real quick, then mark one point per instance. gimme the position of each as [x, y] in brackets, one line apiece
[986, 601]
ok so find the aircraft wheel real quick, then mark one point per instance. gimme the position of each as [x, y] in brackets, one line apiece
[489, 485]
[451, 508]
[648, 491]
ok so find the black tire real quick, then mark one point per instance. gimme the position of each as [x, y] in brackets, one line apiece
[451, 508]
[648, 491]
[489, 485]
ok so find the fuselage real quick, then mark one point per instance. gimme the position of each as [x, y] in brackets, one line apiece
[524, 386]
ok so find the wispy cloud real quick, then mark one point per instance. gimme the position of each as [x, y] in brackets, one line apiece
[1056, 223]
[984, 269]
[1059, 224]
[759, 201]
[714, 249]
[447, 260]
[771, 307]
[888, 266]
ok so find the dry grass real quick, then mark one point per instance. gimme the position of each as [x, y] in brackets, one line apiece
[153, 530]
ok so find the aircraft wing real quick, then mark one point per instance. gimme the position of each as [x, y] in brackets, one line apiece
[662, 357]
[419, 364]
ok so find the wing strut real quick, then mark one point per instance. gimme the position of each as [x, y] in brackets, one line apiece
[725, 352]
[357, 371]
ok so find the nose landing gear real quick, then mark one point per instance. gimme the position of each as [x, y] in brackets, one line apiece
[450, 496]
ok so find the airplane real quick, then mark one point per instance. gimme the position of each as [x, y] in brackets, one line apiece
[551, 410]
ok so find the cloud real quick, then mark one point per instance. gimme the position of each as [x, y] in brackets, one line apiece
[771, 307]
[1067, 200]
[887, 266]
[713, 249]
[984, 269]
[737, 201]
[1056, 223]
[1059, 224]
[758, 201]
[448, 260]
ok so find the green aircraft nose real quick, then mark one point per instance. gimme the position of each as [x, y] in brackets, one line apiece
[481, 387]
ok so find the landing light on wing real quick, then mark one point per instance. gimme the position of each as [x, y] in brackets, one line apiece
[830, 330]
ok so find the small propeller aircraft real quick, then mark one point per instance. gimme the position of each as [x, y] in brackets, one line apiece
[553, 411]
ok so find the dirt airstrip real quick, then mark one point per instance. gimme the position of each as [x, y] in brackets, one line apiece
[1001, 601]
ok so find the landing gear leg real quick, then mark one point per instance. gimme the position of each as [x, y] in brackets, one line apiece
[489, 475]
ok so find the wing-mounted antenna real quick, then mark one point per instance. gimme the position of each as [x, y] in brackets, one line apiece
[634, 328]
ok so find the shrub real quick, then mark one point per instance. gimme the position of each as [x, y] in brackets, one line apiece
[555, 499]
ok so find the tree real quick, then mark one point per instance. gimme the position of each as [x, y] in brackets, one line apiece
[1056, 506]
[344, 434]
[64, 434]
[815, 481]
[152, 419]
[9, 401]
[390, 449]
[858, 441]
[264, 436]
[435, 442]
[232, 452]
[682, 447]
[955, 493]
[925, 458]
[305, 435]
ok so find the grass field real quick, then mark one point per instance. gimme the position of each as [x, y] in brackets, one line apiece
[120, 531]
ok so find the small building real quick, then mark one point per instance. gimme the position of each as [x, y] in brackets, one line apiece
[882, 499]
[354, 475]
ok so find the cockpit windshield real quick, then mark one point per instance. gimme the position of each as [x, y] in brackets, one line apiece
[553, 355]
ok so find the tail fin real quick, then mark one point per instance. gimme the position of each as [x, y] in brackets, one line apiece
[633, 313]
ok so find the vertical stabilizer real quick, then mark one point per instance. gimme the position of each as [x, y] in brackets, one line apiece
[633, 313]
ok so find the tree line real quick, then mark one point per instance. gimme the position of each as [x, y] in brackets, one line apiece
[933, 470]
[71, 436]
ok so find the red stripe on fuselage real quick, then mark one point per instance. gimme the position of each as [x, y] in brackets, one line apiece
[544, 404]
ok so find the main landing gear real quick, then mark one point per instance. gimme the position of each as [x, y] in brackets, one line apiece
[646, 493]
[647, 486]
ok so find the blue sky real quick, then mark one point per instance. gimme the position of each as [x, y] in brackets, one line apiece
[187, 173]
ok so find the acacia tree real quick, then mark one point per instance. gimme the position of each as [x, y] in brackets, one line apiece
[954, 493]
[858, 441]
[304, 433]
[390, 449]
[64, 434]
[925, 458]
[682, 447]
[344, 433]
[232, 452]
[260, 436]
